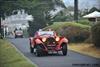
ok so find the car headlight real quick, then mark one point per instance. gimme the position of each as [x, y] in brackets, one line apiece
[57, 38]
[43, 39]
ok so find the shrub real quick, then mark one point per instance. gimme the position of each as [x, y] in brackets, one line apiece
[1, 34]
[1, 37]
[89, 40]
[84, 22]
[75, 32]
[96, 34]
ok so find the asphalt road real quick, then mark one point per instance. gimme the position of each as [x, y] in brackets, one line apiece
[73, 59]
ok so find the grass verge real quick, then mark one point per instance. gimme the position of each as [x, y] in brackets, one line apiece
[87, 49]
[9, 56]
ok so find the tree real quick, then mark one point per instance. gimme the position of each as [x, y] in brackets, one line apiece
[60, 17]
[76, 10]
[41, 13]
[40, 9]
[96, 34]
[93, 9]
[6, 8]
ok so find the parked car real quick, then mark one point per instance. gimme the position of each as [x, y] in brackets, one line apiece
[18, 33]
[45, 42]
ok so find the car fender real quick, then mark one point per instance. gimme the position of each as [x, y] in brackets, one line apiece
[63, 40]
[31, 41]
[38, 41]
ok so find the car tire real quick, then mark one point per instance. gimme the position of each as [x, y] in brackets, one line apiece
[15, 36]
[64, 49]
[37, 51]
[22, 36]
[31, 50]
[45, 53]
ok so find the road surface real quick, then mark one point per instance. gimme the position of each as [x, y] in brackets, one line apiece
[73, 59]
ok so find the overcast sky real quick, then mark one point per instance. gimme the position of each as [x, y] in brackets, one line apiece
[82, 3]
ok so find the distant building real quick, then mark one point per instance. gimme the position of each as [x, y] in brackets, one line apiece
[93, 17]
[18, 19]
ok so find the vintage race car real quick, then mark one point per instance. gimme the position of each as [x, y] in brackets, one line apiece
[45, 42]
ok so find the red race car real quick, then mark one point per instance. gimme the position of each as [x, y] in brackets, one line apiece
[45, 42]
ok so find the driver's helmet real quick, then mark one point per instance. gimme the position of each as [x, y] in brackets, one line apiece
[49, 29]
[40, 29]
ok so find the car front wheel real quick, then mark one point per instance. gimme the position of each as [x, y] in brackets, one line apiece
[64, 49]
[37, 51]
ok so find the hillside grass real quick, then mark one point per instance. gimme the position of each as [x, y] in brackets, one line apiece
[85, 48]
[9, 57]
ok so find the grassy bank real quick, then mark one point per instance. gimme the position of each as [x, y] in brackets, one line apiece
[9, 57]
[84, 48]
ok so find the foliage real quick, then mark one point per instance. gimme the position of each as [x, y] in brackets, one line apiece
[9, 57]
[1, 37]
[60, 16]
[75, 32]
[84, 22]
[96, 34]
[93, 9]
[6, 7]
[65, 14]
[25, 33]
[1, 34]
[40, 9]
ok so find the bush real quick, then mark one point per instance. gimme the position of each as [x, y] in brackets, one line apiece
[89, 40]
[1, 37]
[96, 34]
[84, 22]
[75, 32]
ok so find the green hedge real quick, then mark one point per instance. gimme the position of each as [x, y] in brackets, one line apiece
[75, 32]
[96, 34]
[84, 22]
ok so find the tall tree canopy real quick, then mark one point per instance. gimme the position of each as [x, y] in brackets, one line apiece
[40, 9]
[6, 7]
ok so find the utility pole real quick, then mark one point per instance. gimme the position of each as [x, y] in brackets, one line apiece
[76, 10]
[0, 23]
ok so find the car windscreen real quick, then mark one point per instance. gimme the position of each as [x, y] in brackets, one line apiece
[19, 31]
[46, 33]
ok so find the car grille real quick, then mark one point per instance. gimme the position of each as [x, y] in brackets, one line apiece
[50, 43]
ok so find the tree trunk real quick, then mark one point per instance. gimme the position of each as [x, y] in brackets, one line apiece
[76, 10]
[0, 22]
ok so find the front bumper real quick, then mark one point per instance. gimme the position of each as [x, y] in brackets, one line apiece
[52, 47]
[18, 35]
